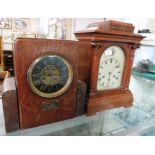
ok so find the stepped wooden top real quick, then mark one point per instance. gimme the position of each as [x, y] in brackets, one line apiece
[109, 30]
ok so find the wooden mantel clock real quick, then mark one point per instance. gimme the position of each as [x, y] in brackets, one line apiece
[62, 79]
[46, 75]
[113, 45]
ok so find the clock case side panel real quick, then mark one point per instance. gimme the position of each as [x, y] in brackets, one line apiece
[84, 73]
[108, 99]
[31, 114]
[85, 59]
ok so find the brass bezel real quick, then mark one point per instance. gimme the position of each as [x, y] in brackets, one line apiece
[55, 94]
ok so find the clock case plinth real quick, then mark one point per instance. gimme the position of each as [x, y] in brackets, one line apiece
[101, 36]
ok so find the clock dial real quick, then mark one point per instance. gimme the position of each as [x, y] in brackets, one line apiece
[111, 68]
[50, 75]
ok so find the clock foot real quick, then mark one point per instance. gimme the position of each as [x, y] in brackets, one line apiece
[128, 106]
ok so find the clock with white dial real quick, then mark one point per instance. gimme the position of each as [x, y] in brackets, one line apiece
[111, 67]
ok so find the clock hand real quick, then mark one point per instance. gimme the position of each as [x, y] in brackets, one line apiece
[108, 79]
[113, 69]
[110, 73]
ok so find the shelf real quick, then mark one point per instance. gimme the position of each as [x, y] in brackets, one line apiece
[149, 76]
[105, 123]
[149, 40]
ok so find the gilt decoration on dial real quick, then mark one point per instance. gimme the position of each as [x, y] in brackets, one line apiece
[111, 68]
[50, 75]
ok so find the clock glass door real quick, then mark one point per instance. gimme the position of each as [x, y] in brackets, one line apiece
[111, 68]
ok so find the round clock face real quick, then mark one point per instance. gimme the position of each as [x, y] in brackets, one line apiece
[50, 75]
[111, 68]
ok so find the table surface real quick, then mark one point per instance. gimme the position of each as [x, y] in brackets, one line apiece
[136, 120]
[120, 121]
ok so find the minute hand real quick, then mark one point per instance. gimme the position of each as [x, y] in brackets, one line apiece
[110, 73]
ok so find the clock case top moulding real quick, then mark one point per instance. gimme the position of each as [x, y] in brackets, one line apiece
[101, 36]
[109, 31]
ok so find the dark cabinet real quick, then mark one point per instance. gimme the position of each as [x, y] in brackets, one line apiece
[8, 61]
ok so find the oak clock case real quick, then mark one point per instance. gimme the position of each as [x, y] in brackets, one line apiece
[46, 78]
[114, 45]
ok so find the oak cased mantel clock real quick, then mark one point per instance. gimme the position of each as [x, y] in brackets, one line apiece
[46, 74]
[113, 46]
[61, 79]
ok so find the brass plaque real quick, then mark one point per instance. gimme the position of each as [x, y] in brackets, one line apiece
[50, 105]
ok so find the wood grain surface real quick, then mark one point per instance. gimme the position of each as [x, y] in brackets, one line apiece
[25, 51]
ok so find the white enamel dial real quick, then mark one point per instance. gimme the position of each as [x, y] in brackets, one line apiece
[111, 68]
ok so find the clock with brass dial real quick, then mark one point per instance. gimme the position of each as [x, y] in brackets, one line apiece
[50, 75]
[111, 68]
[47, 79]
